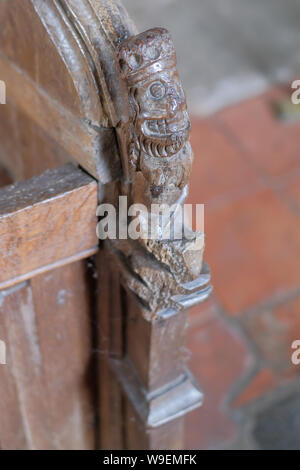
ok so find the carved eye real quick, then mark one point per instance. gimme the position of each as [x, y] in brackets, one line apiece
[157, 90]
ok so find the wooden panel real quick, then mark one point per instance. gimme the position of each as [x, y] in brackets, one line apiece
[48, 220]
[4, 178]
[23, 375]
[159, 355]
[12, 433]
[46, 400]
[76, 136]
[55, 77]
[110, 343]
[36, 55]
[22, 142]
[63, 310]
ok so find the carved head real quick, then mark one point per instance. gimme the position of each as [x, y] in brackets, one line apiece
[158, 107]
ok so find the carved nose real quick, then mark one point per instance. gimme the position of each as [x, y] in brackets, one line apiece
[173, 106]
[175, 103]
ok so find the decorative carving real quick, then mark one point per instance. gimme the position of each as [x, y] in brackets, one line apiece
[158, 130]
[164, 273]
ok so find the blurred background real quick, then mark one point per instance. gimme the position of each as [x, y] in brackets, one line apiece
[237, 60]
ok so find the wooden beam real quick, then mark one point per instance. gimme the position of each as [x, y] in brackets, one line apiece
[77, 136]
[46, 222]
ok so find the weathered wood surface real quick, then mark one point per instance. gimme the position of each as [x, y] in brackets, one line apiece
[57, 128]
[60, 74]
[46, 394]
[48, 220]
[95, 93]
[162, 276]
[110, 335]
[5, 179]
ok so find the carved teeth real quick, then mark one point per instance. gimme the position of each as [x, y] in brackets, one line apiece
[160, 127]
[149, 149]
[162, 150]
[157, 127]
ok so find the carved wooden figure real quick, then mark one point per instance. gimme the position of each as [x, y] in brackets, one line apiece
[162, 275]
[159, 158]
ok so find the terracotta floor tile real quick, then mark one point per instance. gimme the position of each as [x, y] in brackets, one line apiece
[253, 121]
[219, 167]
[219, 358]
[203, 313]
[291, 189]
[263, 382]
[273, 331]
[253, 248]
[245, 171]
[272, 144]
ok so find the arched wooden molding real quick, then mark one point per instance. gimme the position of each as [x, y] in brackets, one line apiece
[62, 77]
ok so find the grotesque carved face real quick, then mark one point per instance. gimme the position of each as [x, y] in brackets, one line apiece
[162, 121]
[159, 119]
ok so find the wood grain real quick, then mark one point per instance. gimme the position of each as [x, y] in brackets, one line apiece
[46, 220]
[70, 68]
[80, 140]
[61, 77]
[4, 178]
[46, 400]
[22, 374]
[110, 343]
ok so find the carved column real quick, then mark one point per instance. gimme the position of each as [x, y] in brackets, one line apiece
[143, 324]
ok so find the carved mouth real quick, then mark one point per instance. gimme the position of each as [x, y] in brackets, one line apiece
[159, 147]
[165, 128]
[165, 137]
[157, 127]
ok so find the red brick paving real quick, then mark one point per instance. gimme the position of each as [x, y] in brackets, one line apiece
[251, 245]
[219, 167]
[273, 330]
[203, 313]
[247, 173]
[219, 358]
[291, 189]
[264, 381]
[271, 145]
